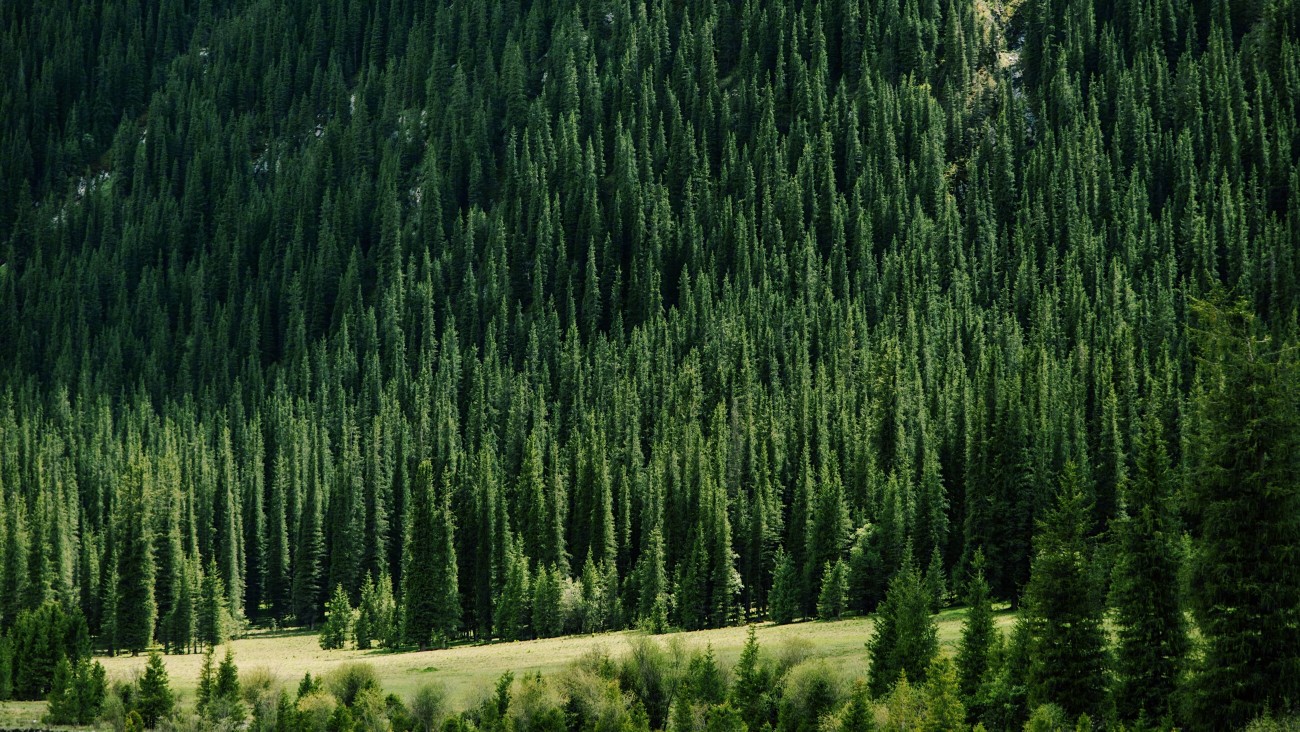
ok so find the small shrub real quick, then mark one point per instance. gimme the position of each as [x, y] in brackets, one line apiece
[348, 681]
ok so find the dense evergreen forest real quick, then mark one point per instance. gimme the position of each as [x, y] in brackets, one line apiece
[517, 319]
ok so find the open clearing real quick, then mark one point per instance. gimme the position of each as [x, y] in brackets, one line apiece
[468, 671]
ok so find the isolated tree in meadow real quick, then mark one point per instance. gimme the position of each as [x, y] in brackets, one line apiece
[154, 699]
[339, 617]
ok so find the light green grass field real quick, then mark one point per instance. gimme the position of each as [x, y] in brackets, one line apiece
[469, 671]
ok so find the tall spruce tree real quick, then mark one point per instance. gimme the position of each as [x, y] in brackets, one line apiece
[1150, 626]
[1065, 612]
[137, 610]
[1243, 498]
[905, 637]
[978, 633]
[431, 600]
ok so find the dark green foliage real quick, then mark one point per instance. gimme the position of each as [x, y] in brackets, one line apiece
[39, 640]
[339, 619]
[376, 620]
[704, 297]
[1244, 499]
[76, 692]
[205, 691]
[858, 716]
[935, 583]
[223, 705]
[978, 633]
[155, 699]
[833, 597]
[752, 692]
[810, 691]
[1064, 611]
[547, 612]
[1150, 626]
[905, 637]
[213, 627]
[703, 682]
[431, 599]
[137, 610]
[783, 603]
[513, 604]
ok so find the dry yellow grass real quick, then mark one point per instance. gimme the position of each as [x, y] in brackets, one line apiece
[469, 671]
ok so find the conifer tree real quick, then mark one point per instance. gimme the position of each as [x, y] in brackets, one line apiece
[783, 602]
[213, 626]
[751, 692]
[1150, 625]
[905, 637]
[834, 593]
[377, 617]
[548, 617]
[205, 690]
[154, 700]
[339, 617]
[431, 600]
[516, 594]
[307, 570]
[1245, 522]
[978, 633]
[1067, 643]
[137, 610]
[77, 693]
[944, 709]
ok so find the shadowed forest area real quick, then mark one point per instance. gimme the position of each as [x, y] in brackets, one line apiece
[425, 323]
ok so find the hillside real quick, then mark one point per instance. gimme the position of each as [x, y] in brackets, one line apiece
[538, 318]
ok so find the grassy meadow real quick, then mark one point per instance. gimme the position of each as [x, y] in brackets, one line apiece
[469, 671]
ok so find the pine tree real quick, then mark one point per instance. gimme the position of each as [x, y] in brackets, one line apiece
[205, 691]
[751, 692]
[431, 600]
[182, 620]
[834, 593]
[155, 700]
[943, 705]
[783, 602]
[339, 617]
[137, 611]
[516, 594]
[213, 616]
[548, 617]
[77, 693]
[978, 633]
[905, 637]
[1067, 640]
[1150, 625]
[652, 584]
[224, 705]
[377, 617]
[1245, 522]
[934, 582]
[307, 571]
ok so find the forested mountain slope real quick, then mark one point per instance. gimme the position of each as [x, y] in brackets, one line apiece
[597, 311]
